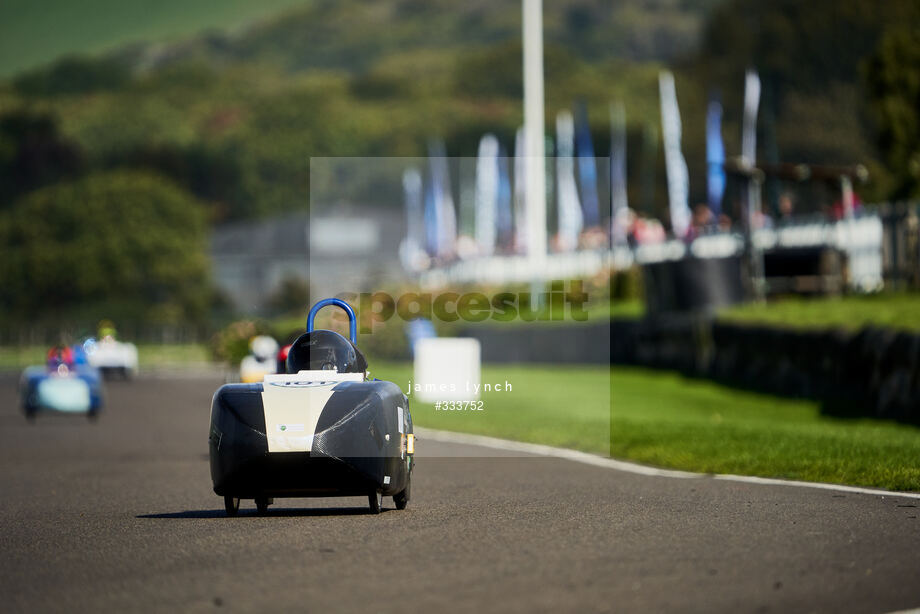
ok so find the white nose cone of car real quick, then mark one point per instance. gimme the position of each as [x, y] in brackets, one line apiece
[109, 354]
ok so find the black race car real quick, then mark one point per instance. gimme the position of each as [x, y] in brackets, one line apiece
[319, 430]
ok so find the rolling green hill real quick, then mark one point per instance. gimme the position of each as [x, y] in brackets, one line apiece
[235, 115]
[339, 32]
[34, 32]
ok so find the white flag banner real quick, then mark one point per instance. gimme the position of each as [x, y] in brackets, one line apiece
[675, 165]
[571, 220]
[411, 250]
[444, 200]
[486, 194]
[619, 204]
[412, 185]
[749, 130]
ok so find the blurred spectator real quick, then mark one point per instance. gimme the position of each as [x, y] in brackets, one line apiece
[701, 220]
[593, 238]
[762, 220]
[644, 230]
[837, 211]
[786, 207]
[60, 355]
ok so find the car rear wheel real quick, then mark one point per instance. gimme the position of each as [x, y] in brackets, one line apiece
[262, 504]
[401, 499]
[373, 501]
[232, 505]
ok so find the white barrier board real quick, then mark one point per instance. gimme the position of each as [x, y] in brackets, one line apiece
[446, 369]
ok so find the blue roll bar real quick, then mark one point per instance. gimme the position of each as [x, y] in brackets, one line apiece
[352, 320]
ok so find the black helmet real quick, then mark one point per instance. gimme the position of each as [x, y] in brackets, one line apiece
[325, 350]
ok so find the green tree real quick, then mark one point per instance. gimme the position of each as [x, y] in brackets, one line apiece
[892, 80]
[33, 153]
[120, 244]
[800, 46]
[808, 56]
[292, 296]
[73, 75]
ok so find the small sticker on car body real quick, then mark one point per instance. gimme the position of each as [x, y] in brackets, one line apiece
[290, 428]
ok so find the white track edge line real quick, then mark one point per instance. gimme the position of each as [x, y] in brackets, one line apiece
[635, 468]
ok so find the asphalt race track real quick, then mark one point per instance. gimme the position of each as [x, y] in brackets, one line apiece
[120, 516]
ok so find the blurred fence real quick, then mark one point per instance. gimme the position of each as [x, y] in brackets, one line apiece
[44, 335]
[901, 245]
[880, 240]
[584, 343]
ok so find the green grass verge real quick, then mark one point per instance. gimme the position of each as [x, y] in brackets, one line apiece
[897, 310]
[20, 357]
[667, 420]
[174, 355]
[559, 406]
[148, 355]
[664, 419]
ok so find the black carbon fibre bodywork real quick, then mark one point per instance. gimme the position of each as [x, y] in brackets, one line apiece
[357, 445]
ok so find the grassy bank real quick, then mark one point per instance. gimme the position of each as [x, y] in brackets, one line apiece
[666, 420]
[897, 310]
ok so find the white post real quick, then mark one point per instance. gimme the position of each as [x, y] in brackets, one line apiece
[534, 136]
